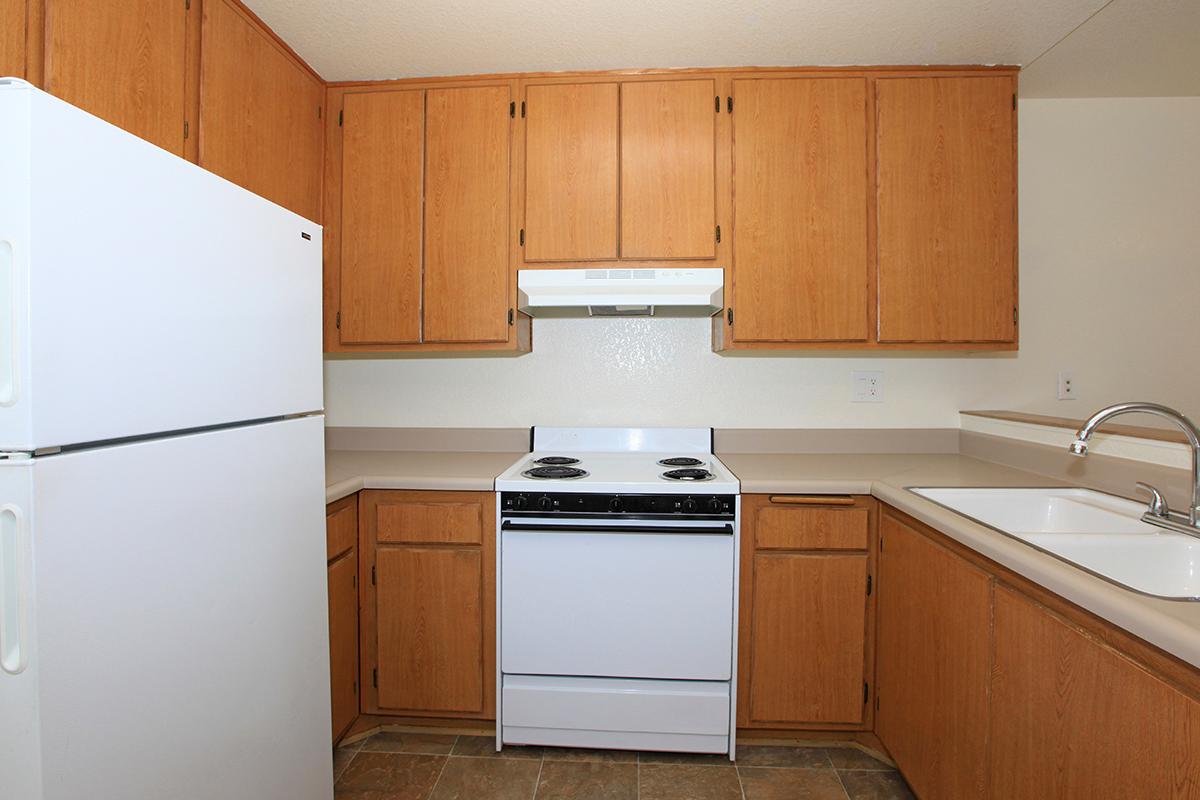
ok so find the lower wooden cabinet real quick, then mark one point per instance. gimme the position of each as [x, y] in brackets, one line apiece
[428, 634]
[1071, 717]
[932, 664]
[806, 612]
[341, 529]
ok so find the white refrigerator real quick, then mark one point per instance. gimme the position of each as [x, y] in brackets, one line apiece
[163, 620]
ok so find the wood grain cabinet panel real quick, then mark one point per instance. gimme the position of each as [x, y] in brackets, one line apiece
[382, 172]
[800, 197]
[946, 209]
[668, 171]
[260, 123]
[12, 38]
[571, 171]
[1073, 718]
[932, 663]
[812, 529]
[428, 628]
[466, 214]
[122, 60]
[808, 639]
[341, 520]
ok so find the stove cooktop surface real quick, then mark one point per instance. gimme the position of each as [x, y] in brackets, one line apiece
[632, 473]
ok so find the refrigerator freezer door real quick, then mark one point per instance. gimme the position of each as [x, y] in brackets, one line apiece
[178, 624]
[140, 294]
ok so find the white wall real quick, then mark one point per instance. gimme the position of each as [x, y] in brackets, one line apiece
[1110, 276]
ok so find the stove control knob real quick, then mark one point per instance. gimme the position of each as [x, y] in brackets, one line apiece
[714, 506]
[688, 506]
[545, 503]
[519, 502]
[614, 504]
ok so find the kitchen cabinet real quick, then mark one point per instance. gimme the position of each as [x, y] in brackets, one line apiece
[418, 230]
[806, 612]
[341, 530]
[946, 195]
[668, 179]
[1072, 717]
[428, 609]
[122, 60]
[571, 171]
[801, 269]
[12, 38]
[933, 662]
[260, 110]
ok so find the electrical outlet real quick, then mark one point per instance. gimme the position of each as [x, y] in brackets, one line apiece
[867, 386]
[1066, 386]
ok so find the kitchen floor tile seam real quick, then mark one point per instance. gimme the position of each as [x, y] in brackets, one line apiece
[537, 782]
[741, 786]
[442, 771]
[842, 783]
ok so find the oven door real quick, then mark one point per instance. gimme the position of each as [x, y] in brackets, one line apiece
[618, 598]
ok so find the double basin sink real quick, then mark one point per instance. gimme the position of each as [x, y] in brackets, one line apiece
[1098, 532]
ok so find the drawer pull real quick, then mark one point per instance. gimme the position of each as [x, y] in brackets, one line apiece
[811, 500]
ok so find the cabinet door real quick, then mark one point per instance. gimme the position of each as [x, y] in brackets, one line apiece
[668, 178]
[382, 158]
[12, 38]
[571, 156]
[343, 640]
[800, 199]
[259, 111]
[1072, 718]
[466, 214]
[122, 60]
[946, 209]
[932, 663]
[430, 634]
[807, 650]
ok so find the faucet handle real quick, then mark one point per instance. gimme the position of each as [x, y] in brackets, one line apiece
[1158, 503]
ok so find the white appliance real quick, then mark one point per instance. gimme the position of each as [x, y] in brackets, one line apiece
[163, 620]
[618, 592]
[675, 292]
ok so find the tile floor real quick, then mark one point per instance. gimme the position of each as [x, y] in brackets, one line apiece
[417, 766]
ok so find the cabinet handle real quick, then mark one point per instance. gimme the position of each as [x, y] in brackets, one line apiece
[811, 500]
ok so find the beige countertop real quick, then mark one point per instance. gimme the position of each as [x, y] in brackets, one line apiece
[1172, 625]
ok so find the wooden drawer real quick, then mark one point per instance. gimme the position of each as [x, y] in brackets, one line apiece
[804, 527]
[341, 526]
[454, 519]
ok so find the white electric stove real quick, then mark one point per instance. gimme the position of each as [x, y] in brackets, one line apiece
[617, 591]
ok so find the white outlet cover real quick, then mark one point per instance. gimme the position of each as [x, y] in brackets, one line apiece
[1066, 385]
[866, 386]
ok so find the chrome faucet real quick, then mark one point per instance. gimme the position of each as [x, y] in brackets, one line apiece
[1158, 513]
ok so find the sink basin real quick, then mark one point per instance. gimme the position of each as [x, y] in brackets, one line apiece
[1092, 530]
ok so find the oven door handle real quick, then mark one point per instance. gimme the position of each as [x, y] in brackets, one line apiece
[723, 530]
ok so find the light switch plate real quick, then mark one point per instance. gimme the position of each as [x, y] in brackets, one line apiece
[867, 386]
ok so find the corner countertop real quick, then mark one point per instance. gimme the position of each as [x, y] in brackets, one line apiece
[1171, 625]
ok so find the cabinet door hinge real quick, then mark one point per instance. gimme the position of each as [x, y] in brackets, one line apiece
[1014, 102]
[318, 112]
[729, 315]
[375, 678]
[717, 104]
[341, 116]
[186, 129]
[187, 5]
[522, 109]
[337, 321]
[870, 584]
[354, 581]
[718, 234]
[356, 687]
[729, 104]
[866, 692]
[521, 237]
[876, 702]
[372, 574]
[881, 544]
[512, 109]
[511, 316]
[1014, 315]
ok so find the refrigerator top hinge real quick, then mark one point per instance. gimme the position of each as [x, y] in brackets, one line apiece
[15, 455]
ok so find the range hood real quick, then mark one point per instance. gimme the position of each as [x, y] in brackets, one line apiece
[621, 292]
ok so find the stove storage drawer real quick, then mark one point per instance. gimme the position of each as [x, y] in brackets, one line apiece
[620, 605]
[607, 712]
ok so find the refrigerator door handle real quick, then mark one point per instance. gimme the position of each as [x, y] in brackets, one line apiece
[14, 654]
[8, 325]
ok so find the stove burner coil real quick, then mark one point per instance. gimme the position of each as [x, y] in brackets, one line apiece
[688, 475]
[552, 473]
[556, 461]
[680, 461]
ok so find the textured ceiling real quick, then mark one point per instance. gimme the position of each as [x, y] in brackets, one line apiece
[1133, 48]
[374, 39]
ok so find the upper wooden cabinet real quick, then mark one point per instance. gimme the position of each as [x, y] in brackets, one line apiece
[947, 209]
[260, 111]
[12, 38]
[418, 226]
[668, 180]
[122, 60]
[382, 161]
[800, 260]
[571, 162]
